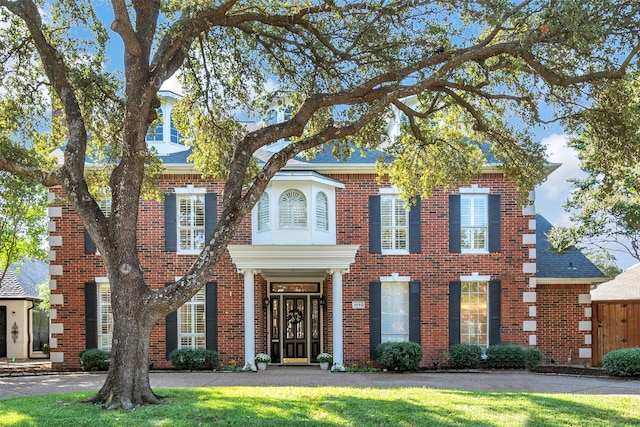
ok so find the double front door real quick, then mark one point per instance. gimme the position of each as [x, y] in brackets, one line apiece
[295, 328]
[3, 331]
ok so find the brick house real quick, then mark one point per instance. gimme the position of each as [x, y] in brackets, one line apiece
[329, 261]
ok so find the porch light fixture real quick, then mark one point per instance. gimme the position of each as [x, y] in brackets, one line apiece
[266, 302]
[323, 301]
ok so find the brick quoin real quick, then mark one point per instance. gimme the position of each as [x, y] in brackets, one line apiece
[435, 267]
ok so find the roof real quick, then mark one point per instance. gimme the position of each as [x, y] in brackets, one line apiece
[570, 266]
[625, 287]
[24, 283]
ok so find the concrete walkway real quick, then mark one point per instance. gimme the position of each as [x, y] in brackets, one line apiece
[515, 381]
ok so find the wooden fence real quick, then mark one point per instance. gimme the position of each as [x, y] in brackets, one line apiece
[616, 325]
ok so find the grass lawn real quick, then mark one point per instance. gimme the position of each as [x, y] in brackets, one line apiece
[330, 406]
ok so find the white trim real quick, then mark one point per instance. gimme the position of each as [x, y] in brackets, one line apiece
[395, 277]
[190, 189]
[474, 189]
[475, 277]
[389, 191]
[101, 280]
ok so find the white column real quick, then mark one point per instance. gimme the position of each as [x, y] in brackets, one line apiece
[249, 322]
[337, 321]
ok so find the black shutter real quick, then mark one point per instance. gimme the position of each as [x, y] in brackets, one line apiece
[375, 233]
[415, 228]
[494, 312]
[170, 223]
[415, 326]
[494, 222]
[454, 313]
[210, 214]
[211, 313]
[91, 315]
[454, 223]
[375, 313]
[171, 331]
[89, 244]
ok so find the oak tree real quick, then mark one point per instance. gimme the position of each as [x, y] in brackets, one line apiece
[479, 69]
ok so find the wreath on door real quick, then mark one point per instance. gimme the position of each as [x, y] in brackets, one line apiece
[295, 316]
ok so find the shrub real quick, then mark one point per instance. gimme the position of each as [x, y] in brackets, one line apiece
[400, 356]
[465, 356]
[622, 362]
[532, 358]
[194, 360]
[46, 349]
[95, 360]
[505, 356]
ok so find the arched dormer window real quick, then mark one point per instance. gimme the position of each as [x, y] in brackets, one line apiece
[156, 132]
[322, 211]
[292, 209]
[263, 213]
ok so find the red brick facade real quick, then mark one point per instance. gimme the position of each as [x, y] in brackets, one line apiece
[435, 267]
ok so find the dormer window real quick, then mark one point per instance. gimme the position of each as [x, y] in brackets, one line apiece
[174, 136]
[292, 209]
[264, 223]
[322, 212]
[155, 133]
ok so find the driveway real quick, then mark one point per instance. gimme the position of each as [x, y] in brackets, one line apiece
[513, 381]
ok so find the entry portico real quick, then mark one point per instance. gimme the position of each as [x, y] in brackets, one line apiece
[292, 264]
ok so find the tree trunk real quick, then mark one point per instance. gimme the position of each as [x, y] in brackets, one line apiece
[127, 383]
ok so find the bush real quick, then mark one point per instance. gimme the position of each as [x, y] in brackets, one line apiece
[532, 358]
[46, 349]
[95, 360]
[505, 356]
[194, 360]
[622, 362]
[400, 356]
[465, 356]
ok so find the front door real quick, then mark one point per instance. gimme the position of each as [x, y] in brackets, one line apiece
[3, 331]
[295, 332]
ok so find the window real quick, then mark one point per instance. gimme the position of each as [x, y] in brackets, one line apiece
[191, 222]
[105, 207]
[473, 314]
[474, 222]
[395, 312]
[174, 136]
[191, 323]
[105, 317]
[263, 213]
[394, 220]
[322, 212]
[156, 132]
[292, 209]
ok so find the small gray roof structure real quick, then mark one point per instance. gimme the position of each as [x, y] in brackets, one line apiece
[570, 266]
[625, 287]
[23, 284]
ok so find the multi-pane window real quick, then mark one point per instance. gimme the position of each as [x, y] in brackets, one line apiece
[105, 317]
[292, 209]
[105, 207]
[264, 222]
[191, 323]
[474, 222]
[395, 312]
[473, 314]
[191, 222]
[174, 136]
[394, 221]
[322, 212]
[156, 133]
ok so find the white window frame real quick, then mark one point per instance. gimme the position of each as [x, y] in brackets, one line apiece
[156, 133]
[393, 228]
[474, 322]
[194, 230]
[322, 211]
[104, 315]
[188, 334]
[469, 230]
[292, 214]
[263, 213]
[394, 308]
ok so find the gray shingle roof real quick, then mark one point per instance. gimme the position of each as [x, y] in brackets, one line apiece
[625, 287]
[570, 265]
[24, 283]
